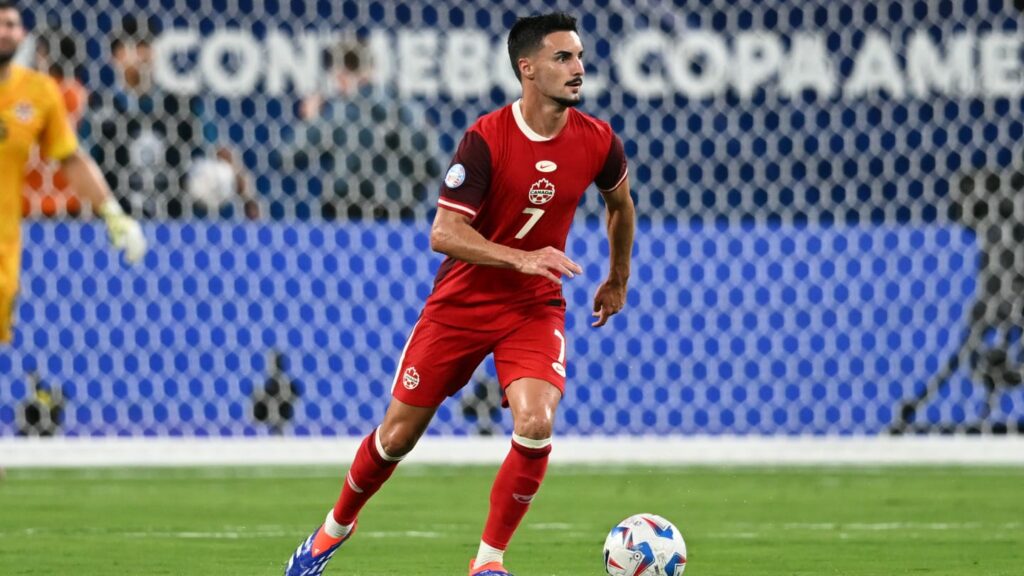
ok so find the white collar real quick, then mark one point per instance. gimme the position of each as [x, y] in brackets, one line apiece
[517, 113]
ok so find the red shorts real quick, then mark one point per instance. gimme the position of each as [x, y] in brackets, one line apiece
[439, 359]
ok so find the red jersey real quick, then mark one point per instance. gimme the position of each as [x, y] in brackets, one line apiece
[521, 190]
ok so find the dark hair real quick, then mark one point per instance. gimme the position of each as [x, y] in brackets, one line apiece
[528, 33]
[8, 5]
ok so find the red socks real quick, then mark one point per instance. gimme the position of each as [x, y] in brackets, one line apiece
[370, 469]
[514, 488]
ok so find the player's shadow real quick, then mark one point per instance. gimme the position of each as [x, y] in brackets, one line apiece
[991, 203]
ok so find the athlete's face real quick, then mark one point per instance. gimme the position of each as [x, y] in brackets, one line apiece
[557, 68]
[11, 34]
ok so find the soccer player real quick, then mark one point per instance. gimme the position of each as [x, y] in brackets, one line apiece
[505, 209]
[32, 111]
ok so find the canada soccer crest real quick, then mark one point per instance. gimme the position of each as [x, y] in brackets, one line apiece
[411, 378]
[24, 112]
[542, 191]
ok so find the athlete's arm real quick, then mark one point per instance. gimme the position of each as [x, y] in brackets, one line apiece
[58, 142]
[85, 178]
[87, 181]
[452, 235]
[611, 295]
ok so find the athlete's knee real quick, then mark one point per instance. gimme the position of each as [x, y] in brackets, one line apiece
[534, 425]
[398, 439]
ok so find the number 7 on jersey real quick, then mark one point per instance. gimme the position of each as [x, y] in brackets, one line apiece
[535, 214]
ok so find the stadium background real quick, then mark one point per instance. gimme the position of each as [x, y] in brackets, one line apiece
[827, 192]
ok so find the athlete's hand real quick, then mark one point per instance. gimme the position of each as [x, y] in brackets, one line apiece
[124, 232]
[609, 299]
[548, 262]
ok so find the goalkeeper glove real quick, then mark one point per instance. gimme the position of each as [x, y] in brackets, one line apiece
[124, 232]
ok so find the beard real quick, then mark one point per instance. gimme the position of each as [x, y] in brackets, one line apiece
[6, 57]
[567, 102]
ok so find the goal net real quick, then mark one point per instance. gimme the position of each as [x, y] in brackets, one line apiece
[829, 193]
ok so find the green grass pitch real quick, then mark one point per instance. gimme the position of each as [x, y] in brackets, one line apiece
[743, 521]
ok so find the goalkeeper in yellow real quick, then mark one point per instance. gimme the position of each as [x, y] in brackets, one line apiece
[32, 112]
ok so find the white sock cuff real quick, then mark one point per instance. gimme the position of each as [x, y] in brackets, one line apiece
[488, 553]
[380, 448]
[334, 529]
[530, 442]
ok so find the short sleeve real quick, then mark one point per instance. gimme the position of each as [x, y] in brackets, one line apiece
[614, 169]
[57, 141]
[468, 177]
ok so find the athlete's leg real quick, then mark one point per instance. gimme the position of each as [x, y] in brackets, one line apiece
[378, 456]
[375, 460]
[10, 263]
[435, 357]
[7, 301]
[531, 366]
[437, 361]
[533, 403]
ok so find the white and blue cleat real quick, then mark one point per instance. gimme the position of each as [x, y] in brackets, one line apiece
[311, 557]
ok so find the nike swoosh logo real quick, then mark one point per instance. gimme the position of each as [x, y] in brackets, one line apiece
[546, 166]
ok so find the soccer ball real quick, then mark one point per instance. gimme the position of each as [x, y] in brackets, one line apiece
[645, 545]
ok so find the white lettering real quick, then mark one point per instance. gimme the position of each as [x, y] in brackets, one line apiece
[926, 69]
[382, 53]
[635, 52]
[1000, 64]
[244, 54]
[648, 63]
[808, 68]
[466, 56]
[417, 63]
[501, 70]
[166, 72]
[875, 69]
[594, 82]
[301, 65]
[704, 51]
[758, 56]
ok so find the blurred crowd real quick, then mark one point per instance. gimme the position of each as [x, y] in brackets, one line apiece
[351, 149]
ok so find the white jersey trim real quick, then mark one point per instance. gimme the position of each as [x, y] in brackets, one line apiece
[453, 206]
[401, 359]
[624, 174]
[517, 113]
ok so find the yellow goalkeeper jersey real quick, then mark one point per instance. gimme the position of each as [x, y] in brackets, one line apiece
[31, 111]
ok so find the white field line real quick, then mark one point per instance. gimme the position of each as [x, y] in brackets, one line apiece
[219, 534]
[846, 530]
[743, 532]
